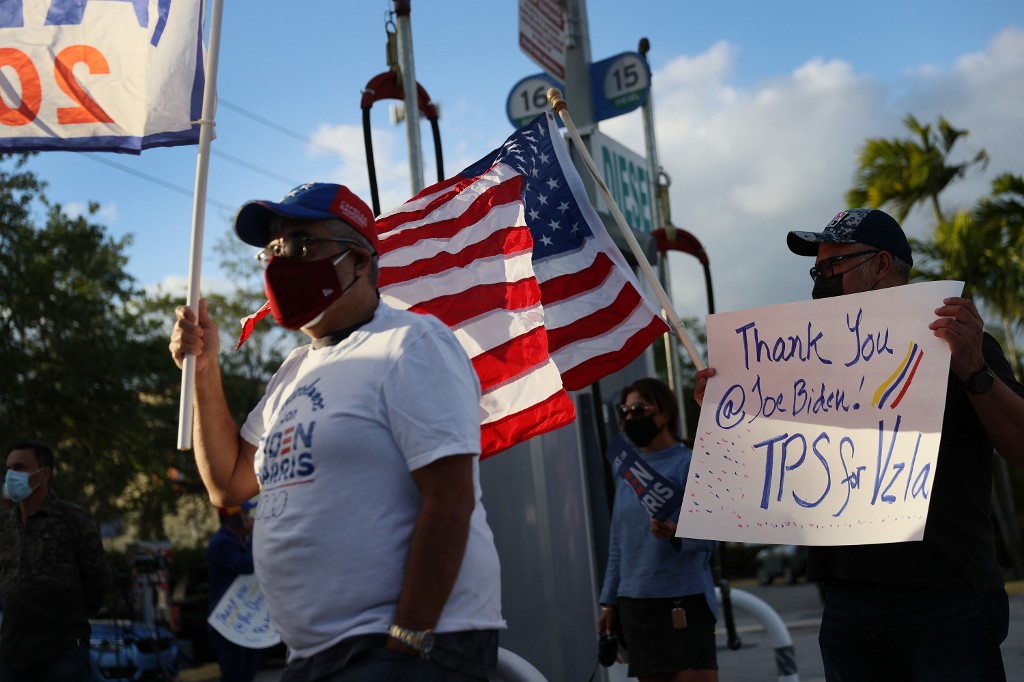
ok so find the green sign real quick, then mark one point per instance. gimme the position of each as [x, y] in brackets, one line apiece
[625, 174]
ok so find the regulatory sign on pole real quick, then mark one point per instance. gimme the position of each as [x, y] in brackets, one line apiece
[625, 173]
[542, 34]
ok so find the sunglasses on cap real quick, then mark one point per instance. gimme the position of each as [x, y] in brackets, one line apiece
[637, 409]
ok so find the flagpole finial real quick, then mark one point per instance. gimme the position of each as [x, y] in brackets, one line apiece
[555, 97]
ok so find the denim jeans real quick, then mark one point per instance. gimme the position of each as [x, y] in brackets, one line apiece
[71, 665]
[466, 656]
[869, 634]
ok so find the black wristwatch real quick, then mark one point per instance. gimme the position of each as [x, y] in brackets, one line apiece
[981, 381]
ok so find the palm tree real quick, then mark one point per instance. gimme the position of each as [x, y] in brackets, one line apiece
[984, 248]
[1000, 217]
[905, 172]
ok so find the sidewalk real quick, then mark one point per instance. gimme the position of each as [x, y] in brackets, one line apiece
[755, 660]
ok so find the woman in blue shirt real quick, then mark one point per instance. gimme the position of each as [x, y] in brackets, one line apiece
[658, 590]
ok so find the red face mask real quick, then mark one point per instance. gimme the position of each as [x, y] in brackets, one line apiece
[300, 291]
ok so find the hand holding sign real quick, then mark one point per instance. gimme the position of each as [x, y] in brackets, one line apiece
[821, 424]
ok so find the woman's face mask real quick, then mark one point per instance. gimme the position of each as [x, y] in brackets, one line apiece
[17, 485]
[641, 430]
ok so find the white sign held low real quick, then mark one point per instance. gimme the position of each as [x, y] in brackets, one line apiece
[241, 615]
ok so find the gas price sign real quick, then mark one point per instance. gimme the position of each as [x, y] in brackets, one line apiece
[619, 84]
[529, 97]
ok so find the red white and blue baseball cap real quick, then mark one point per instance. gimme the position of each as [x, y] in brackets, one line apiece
[855, 226]
[311, 201]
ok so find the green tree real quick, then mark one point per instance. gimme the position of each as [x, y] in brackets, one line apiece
[980, 247]
[83, 364]
[1001, 215]
[984, 247]
[904, 172]
[247, 369]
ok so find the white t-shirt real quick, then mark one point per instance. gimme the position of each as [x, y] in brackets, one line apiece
[339, 430]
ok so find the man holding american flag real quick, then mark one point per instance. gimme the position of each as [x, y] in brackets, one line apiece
[370, 543]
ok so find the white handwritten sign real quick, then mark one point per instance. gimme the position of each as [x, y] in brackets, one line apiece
[242, 617]
[822, 424]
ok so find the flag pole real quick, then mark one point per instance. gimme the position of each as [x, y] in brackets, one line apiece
[188, 368]
[559, 106]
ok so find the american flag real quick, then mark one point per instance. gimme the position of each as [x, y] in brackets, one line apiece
[512, 256]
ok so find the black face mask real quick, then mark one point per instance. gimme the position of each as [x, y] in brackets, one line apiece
[827, 287]
[641, 431]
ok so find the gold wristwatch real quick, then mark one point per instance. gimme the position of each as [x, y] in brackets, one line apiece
[420, 640]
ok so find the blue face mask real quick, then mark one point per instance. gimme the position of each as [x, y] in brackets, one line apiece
[18, 487]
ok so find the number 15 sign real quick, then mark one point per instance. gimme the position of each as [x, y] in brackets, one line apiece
[89, 75]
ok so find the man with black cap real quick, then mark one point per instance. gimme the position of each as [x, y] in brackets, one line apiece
[934, 609]
[371, 543]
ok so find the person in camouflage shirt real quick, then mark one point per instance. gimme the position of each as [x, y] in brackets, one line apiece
[53, 575]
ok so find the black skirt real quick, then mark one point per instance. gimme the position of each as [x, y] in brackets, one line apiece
[655, 645]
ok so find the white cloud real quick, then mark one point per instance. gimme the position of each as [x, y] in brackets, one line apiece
[748, 164]
[107, 213]
[75, 209]
[389, 155]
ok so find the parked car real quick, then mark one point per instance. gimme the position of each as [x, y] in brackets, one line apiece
[127, 650]
[788, 562]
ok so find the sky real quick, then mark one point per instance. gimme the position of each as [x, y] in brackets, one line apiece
[760, 108]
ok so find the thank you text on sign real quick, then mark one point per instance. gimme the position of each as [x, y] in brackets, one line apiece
[822, 424]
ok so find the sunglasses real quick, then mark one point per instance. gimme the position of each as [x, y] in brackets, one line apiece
[637, 409]
[826, 266]
[295, 246]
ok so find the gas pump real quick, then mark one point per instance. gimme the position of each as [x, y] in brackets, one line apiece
[389, 85]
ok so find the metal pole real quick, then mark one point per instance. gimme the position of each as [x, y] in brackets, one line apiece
[577, 69]
[195, 262]
[559, 107]
[672, 366]
[412, 109]
[650, 144]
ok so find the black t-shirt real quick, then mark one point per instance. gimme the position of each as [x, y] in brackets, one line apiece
[958, 551]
